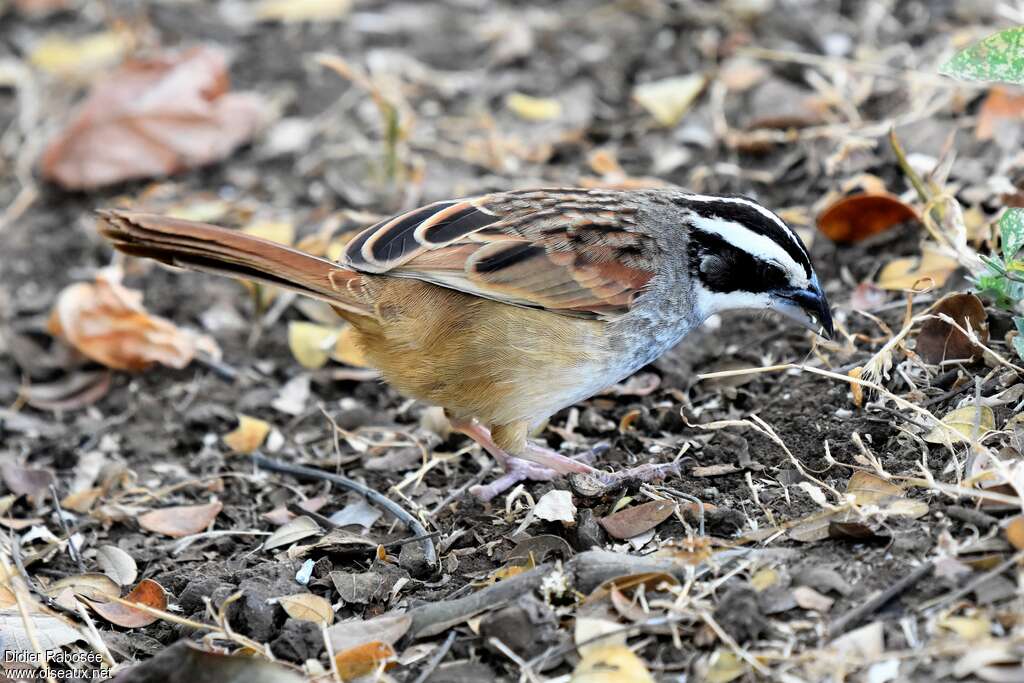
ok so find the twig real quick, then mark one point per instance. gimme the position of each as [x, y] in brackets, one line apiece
[872, 605]
[72, 548]
[436, 659]
[964, 590]
[399, 513]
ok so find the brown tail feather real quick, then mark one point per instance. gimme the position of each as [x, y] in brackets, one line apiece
[210, 248]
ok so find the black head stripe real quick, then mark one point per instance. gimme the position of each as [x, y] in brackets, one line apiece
[748, 216]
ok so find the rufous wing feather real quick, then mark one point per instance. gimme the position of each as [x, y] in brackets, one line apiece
[574, 252]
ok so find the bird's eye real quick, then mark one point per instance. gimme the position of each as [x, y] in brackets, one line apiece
[773, 277]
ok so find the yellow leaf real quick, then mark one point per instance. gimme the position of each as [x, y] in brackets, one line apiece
[1015, 532]
[932, 269]
[968, 628]
[347, 351]
[961, 425]
[307, 607]
[611, 664]
[311, 344]
[79, 57]
[725, 666]
[248, 436]
[533, 108]
[669, 99]
[303, 10]
[765, 578]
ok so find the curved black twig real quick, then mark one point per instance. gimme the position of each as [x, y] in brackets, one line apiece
[397, 511]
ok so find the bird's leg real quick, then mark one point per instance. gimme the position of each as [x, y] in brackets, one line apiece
[535, 463]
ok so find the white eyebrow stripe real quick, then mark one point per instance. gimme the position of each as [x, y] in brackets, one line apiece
[751, 242]
[757, 207]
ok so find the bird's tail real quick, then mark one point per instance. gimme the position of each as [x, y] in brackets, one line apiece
[213, 249]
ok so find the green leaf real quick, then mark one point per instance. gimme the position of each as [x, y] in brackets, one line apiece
[1011, 233]
[998, 58]
[1018, 344]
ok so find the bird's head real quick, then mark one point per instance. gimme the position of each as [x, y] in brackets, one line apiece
[743, 256]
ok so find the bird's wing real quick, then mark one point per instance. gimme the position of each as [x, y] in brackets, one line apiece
[574, 252]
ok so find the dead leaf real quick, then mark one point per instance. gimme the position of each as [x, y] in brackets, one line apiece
[363, 659]
[26, 481]
[153, 117]
[387, 628]
[968, 628]
[117, 564]
[931, 269]
[638, 519]
[293, 11]
[308, 607]
[347, 351]
[938, 340]
[724, 666]
[281, 515]
[148, 593]
[189, 662]
[611, 664]
[79, 58]
[1000, 107]
[106, 322]
[870, 489]
[311, 344]
[248, 435]
[961, 423]
[182, 520]
[295, 530]
[533, 108]
[810, 599]
[590, 633]
[556, 506]
[92, 586]
[859, 216]
[669, 99]
[51, 631]
[1015, 532]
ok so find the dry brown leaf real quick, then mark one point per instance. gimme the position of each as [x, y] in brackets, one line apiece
[1015, 532]
[386, 628]
[638, 519]
[92, 586]
[106, 322]
[931, 269]
[859, 216]
[182, 520]
[248, 435]
[152, 117]
[1000, 106]
[938, 340]
[117, 564]
[363, 659]
[308, 607]
[148, 593]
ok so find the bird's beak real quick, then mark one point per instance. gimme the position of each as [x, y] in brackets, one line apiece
[808, 306]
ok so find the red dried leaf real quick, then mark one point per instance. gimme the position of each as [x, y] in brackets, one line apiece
[857, 217]
[180, 521]
[153, 117]
[938, 340]
[106, 322]
[1000, 107]
[148, 593]
[362, 659]
[636, 520]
